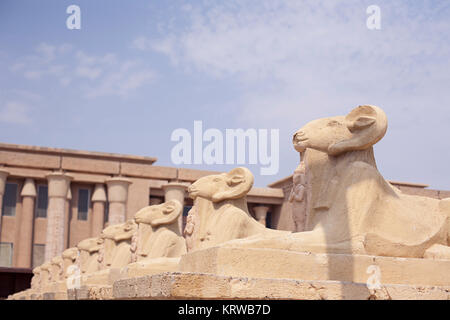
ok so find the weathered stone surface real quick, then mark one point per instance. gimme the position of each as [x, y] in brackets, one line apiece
[147, 171]
[276, 264]
[90, 165]
[208, 286]
[191, 175]
[32, 160]
[61, 295]
[90, 293]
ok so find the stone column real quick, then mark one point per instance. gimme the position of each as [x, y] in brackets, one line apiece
[3, 176]
[175, 190]
[261, 214]
[25, 239]
[58, 185]
[117, 198]
[98, 209]
[67, 219]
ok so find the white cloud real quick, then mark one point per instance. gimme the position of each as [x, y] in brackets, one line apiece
[14, 112]
[303, 54]
[299, 60]
[46, 51]
[121, 82]
[94, 75]
[141, 43]
[32, 74]
[86, 72]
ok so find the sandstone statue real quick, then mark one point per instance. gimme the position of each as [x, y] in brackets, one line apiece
[352, 208]
[220, 211]
[113, 251]
[36, 279]
[158, 243]
[56, 269]
[116, 250]
[158, 234]
[45, 275]
[69, 257]
[88, 255]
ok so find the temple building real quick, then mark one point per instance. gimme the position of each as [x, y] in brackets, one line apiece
[51, 199]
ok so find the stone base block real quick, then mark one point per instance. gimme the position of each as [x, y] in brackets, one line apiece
[179, 285]
[283, 264]
[53, 291]
[103, 277]
[23, 295]
[36, 296]
[61, 295]
[87, 292]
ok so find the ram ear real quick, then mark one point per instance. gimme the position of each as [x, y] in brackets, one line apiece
[128, 227]
[361, 123]
[170, 211]
[239, 182]
[367, 125]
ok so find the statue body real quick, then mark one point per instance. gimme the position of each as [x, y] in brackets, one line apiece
[220, 211]
[350, 207]
[158, 234]
[88, 254]
[70, 257]
[158, 243]
[36, 279]
[56, 269]
[116, 250]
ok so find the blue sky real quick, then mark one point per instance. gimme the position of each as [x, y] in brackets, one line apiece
[138, 70]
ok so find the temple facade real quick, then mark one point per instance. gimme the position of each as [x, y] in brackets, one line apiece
[51, 199]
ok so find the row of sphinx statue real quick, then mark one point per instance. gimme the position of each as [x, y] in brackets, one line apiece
[340, 200]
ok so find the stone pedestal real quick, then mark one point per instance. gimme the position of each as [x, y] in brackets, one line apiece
[261, 213]
[58, 185]
[175, 191]
[117, 198]
[25, 240]
[284, 264]
[98, 210]
[185, 285]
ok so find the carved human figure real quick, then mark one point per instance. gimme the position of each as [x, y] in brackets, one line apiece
[298, 197]
[158, 233]
[220, 209]
[352, 208]
[189, 229]
[88, 255]
[116, 250]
